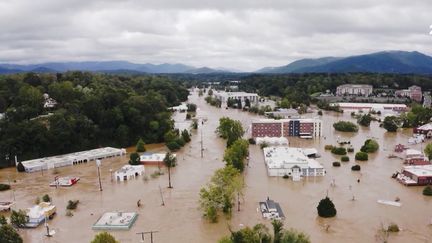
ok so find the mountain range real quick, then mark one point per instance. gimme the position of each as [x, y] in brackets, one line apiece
[379, 62]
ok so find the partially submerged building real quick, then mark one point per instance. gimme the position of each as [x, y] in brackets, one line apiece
[115, 221]
[242, 96]
[368, 107]
[354, 89]
[425, 130]
[39, 213]
[153, 158]
[292, 162]
[71, 159]
[415, 175]
[415, 157]
[128, 172]
[271, 210]
[303, 127]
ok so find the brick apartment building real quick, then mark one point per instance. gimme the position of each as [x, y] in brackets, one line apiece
[302, 127]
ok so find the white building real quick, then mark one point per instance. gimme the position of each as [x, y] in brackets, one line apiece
[128, 172]
[224, 96]
[292, 162]
[71, 159]
[383, 108]
[354, 89]
[39, 213]
[153, 158]
[181, 108]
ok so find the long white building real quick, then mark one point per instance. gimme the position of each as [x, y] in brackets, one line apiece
[292, 162]
[383, 108]
[224, 96]
[71, 159]
[354, 89]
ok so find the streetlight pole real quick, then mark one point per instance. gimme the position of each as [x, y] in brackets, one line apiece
[98, 163]
[202, 148]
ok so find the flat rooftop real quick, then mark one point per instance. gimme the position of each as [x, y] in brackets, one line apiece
[419, 170]
[115, 221]
[287, 157]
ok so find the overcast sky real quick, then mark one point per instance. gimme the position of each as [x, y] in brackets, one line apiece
[239, 34]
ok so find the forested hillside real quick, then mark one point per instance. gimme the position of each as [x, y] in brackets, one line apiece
[93, 110]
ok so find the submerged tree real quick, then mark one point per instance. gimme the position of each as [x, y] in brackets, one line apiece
[134, 159]
[9, 235]
[104, 237]
[326, 208]
[140, 146]
[169, 161]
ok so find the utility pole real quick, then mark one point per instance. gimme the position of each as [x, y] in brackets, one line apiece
[160, 191]
[98, 163]
[202, 149]
[147, 232]
[238, 201]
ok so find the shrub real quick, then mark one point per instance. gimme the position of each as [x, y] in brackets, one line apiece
[370, 146]
[186, 135]
[134, 159]
[345, 159]
[72, 204]
[180, 141]
[140, 146]
[328, 147]
[252, 141]
[264, 145]
[355, 168]
[320, 113]
[20, 167]
[427, 191]
[285, 176]
[326, 208]
[393, 228]
[9, 234]
[336, 164]
[3, 220]
[46, 198]
[345, 126]
[350, 150]
[364, 120]
[338, 150]
[173, 146]
[4, 187]
[362, 156]
[188, 116]
[105, 237]
[18, 218]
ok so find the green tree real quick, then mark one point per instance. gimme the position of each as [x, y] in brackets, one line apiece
[46, 198]
[427, 191]
[326, 208]
[191, 107]
[293, 236]
[104, 237]
[236, 154]
[186, 135]
[362, 156]
[230, 129]
[391, 123]
[169, 161]
[277, 230]
[140, 146]
[3, 220]
[370, 146]
[134, 159]
[345, 126]
[18, 218]
[219, 194]
[9, 235]
[20, 167]
[428, 151]
[364, 120]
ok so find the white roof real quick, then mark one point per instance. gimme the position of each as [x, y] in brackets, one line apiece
[272, 140]
[419, 170]
[287, 157]
[70, 158]
[426, 127]
[130, 169]
[413, 152]
[40, 210]
[153, 157]
[230, 94]
[376, 106]
[286, 120]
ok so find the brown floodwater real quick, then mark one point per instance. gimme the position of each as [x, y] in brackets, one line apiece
[180, 219]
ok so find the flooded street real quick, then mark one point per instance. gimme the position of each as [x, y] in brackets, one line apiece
[180, 219]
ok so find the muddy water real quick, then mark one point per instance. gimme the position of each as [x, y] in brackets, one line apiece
[180, 219]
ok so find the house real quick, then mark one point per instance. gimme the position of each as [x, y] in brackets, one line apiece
[415, 157]
[303, 128]
[49, 102]
[354, 89]
[271, 210]
[292, 162]
[425, 130]
[39, 213]
[416, 175]
[242, 96]
[153, 158]
[128, 172]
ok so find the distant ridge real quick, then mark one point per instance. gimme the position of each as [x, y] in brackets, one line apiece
[379, 62]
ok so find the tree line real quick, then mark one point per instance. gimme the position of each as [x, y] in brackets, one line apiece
[92, 110]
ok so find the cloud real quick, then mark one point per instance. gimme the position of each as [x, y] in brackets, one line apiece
[241, 34]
